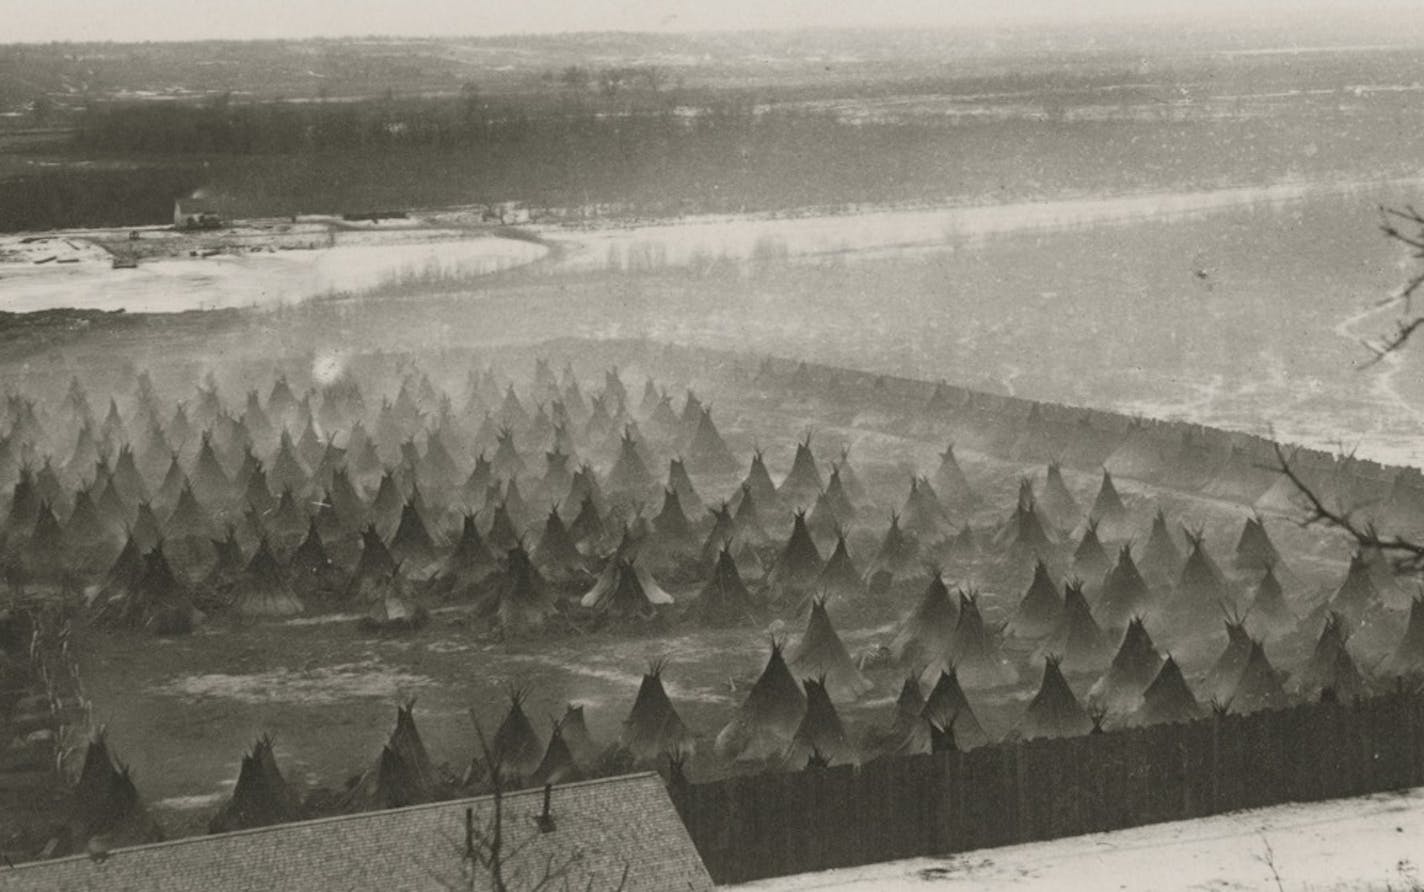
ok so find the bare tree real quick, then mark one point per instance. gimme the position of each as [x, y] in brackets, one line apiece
[1405, 226]
[490, 860]
[1406, 554]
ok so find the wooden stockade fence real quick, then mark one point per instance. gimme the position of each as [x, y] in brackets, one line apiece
[765, 825]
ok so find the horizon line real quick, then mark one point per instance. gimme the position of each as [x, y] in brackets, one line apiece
[1242, 21]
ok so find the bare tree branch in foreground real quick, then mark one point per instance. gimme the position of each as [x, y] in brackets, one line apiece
[1406, 556]
[486, 854]
[1412, 237]
[1405, 226]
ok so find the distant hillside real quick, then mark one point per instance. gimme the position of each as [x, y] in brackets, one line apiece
[666, 131]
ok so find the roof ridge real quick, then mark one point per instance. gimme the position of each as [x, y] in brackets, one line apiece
[333, 819]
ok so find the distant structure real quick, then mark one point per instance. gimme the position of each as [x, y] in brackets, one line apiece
[618, 832]
[196, 213]
[509, 213]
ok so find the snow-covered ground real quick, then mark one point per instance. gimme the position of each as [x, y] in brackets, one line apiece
[1375, 842]
[255, 279]
[370, 257]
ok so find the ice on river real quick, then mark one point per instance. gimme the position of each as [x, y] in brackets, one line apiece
[742, 238]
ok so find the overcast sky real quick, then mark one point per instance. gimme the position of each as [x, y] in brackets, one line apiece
[132, 20]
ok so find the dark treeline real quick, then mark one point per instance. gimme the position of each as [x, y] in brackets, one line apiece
[220, 126]
[61, 198]
[654, 152]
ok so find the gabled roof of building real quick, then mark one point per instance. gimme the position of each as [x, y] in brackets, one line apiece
[600, 827]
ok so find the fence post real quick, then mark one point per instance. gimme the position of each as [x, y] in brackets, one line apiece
[1410, 703]
[1020, 791]
[748, 828]
[1416, 765]
[1184, 763]
[1215, 766]
[935, 835]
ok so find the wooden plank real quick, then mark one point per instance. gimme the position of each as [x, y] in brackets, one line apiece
[753, 827]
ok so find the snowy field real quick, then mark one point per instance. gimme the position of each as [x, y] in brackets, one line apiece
[255, 279]
[367, 260]
[1375, 842]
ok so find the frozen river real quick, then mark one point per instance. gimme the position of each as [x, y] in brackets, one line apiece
[1235, 307]
[285, 277]
[702, 240]
[1239, 308]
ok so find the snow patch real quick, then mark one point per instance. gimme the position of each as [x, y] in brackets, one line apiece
[1366, 843]
[191, 803]
[321, 620]
[321, 686]
[256, 279]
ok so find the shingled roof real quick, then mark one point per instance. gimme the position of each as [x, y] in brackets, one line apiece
[599, 825]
